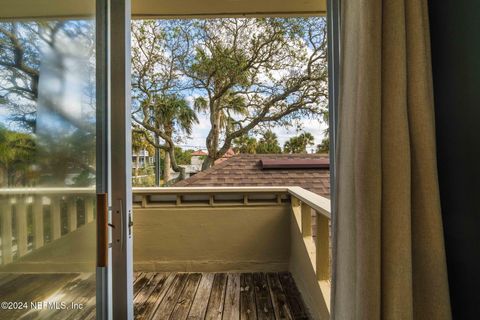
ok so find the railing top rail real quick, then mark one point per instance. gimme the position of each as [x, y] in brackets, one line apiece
[204, 190]
[315, 201]
[46, 191]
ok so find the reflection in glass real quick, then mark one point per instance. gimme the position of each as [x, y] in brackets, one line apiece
[47, 159]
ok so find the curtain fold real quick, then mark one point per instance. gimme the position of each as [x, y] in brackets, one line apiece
[389, 252]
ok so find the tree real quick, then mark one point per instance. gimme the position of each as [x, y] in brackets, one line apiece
[16, 155]
[23, 46]
[324, 147]
[166, 115]
[245, 144]
[158, 109]
[64, 139]
[299, 143]
[183, 156]
[254, 73]
[268, 143]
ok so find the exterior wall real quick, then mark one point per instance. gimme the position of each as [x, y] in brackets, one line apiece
[241, 238]
[197, 160]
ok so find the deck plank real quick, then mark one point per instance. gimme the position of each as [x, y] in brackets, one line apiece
[231, 310]
[248, 309]
[30, 288]
[293, 296]
[5, 278]
[141, 280]
[167, 305]
[64, 291]
[200, 303]
[84, 297]
[262, 297]
[152, 294]
[279, 299]
[217, 297]
[184, 303]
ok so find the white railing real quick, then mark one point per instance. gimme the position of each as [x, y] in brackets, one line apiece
[22, 232]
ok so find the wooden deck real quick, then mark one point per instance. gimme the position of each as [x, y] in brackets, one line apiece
[192, 296]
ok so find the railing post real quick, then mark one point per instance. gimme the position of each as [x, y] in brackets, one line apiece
[89, 209]
[6, 211]
[21, 225]
[38, 222]
[55, 217]
[72, 213]
[296, 209]
[323, 248]
[306, 220]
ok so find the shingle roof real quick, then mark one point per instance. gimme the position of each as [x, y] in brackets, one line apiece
[245, 170]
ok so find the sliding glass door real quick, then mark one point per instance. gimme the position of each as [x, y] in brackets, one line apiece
[51, 133]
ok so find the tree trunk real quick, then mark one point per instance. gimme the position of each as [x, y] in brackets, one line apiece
[167, 175]
[207, 163]
[212, 141]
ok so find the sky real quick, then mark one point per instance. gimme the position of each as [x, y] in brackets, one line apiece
[200, 131]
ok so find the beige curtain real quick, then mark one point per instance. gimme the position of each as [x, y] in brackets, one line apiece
[388, 246]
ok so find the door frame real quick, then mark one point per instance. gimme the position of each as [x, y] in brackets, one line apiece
[115, 281]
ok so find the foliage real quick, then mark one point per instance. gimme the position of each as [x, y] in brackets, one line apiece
[157, 108]
[324, 147]
[23, 46]
[183, 156]
[16, 157]
[244, 74]
[256, 72]
[268, 143]
[62, 140]
[245, 144]
[299, 144]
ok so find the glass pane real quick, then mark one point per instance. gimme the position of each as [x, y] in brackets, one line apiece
[47, 168]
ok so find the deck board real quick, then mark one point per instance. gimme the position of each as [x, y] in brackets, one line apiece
[176, 296]
[231, 310]
[200, 302]
[262, 297]
[217, 297]
[248, 308]
[184, 302]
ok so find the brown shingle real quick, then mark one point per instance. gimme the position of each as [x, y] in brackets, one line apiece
[244, 170]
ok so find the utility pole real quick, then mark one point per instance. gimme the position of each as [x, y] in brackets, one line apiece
[157, 162]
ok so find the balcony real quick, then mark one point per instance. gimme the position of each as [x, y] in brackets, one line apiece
[259, 252]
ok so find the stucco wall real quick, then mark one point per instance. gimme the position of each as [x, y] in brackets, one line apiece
[212, 238]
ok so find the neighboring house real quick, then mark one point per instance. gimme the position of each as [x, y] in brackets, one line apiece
[198, 157]
[195, 165]
[142, 159]
[309, 171]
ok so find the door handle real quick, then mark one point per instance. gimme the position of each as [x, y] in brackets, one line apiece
[102, 229]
